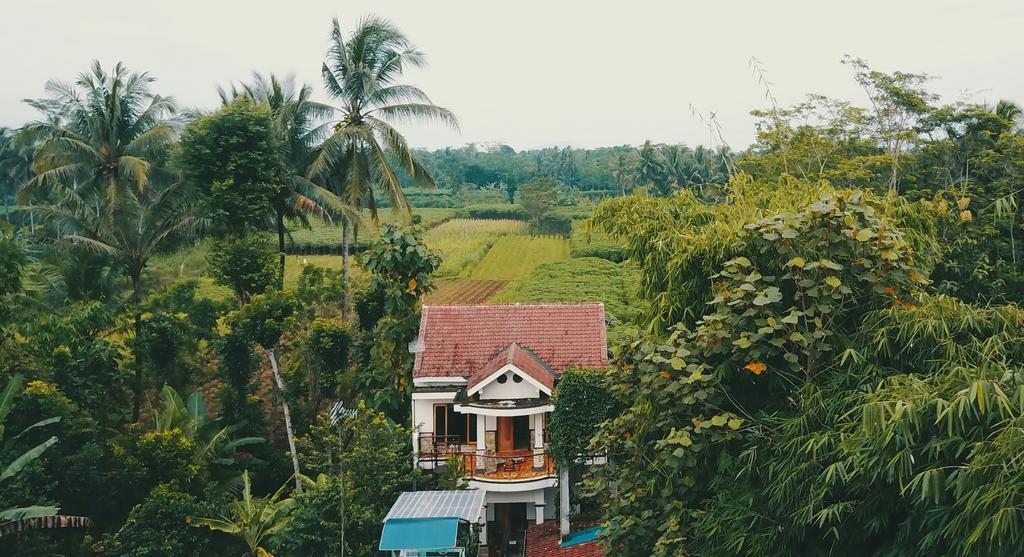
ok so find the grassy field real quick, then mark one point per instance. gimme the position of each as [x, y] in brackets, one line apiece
[462, 243]
[515, 257]
[327, 236]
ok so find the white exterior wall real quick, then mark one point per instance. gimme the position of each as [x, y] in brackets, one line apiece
[510, 389]
[531, 498]
[423, 413]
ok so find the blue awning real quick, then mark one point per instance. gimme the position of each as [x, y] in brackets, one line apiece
[419, 533]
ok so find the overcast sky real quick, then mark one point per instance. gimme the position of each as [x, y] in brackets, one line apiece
[535, 73]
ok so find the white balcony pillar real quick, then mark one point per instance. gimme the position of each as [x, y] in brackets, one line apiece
[481, 442]
[538, 506]
[538, 442]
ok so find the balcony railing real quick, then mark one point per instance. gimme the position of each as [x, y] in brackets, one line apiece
[523, 464]
[510, 466]
[440, 447]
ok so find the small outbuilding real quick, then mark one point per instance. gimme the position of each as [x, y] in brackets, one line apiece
[429, 523]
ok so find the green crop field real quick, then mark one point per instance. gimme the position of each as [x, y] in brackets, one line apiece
[590, 241]
[328, 236]
[462, 243]
[581, 279]
[514, 257]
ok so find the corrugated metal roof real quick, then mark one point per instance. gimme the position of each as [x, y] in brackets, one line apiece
[464, 504]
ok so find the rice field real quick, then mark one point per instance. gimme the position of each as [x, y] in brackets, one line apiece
[462, 243]
[515, 257]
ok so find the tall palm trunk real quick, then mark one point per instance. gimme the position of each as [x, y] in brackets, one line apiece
[272, 356]
[136, 278]
[346, 305]
[280, 249]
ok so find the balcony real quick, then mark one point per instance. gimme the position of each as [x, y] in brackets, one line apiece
[510, 466]
[516, 465]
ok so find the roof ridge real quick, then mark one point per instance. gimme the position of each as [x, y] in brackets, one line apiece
[511, 351]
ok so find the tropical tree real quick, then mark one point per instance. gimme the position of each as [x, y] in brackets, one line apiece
[298, 124]
[360, 158]
[106, 145]
[15, 162]
[264, 322]
[147, 223]
[401, 267]
[651, 170]
[96, 166]
[213, 443]
[621, 170]
[14, 385]
[254, 519]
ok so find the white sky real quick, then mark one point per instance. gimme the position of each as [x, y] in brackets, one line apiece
[535, 73]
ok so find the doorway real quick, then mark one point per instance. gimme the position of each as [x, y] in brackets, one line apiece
[513, 434]
[506, 536]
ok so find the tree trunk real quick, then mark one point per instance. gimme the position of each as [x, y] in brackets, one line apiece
[280, 250]
[272, 355]
[346, 305]
[341, 478]
[136, 278]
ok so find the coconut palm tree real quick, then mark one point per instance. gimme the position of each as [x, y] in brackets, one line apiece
[297, 122]
[102, 141]
[101, 138]
[621, 168]
[360, 156]
[650, 169]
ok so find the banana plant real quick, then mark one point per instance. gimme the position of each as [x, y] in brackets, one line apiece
[214, 443]
[254, 519]
[18, 464]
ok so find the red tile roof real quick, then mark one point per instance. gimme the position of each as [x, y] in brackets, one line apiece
[522, 358]
[457, 341]
[542, 540]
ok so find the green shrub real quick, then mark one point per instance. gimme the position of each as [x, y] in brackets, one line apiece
[159, 526]
[425, 197]
[493, 211]
[595, 243]
[553, 223]
[470, 194]
[245, 264]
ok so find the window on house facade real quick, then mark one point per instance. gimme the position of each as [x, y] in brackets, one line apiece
[448, 422]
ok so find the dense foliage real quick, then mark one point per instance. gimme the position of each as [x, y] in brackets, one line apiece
[823, 374]
[816, 341]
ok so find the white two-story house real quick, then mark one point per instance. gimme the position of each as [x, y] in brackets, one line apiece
[483, 380]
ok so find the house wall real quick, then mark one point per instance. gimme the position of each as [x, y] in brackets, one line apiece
[547, 496]
[510, 389]
[423, 410]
